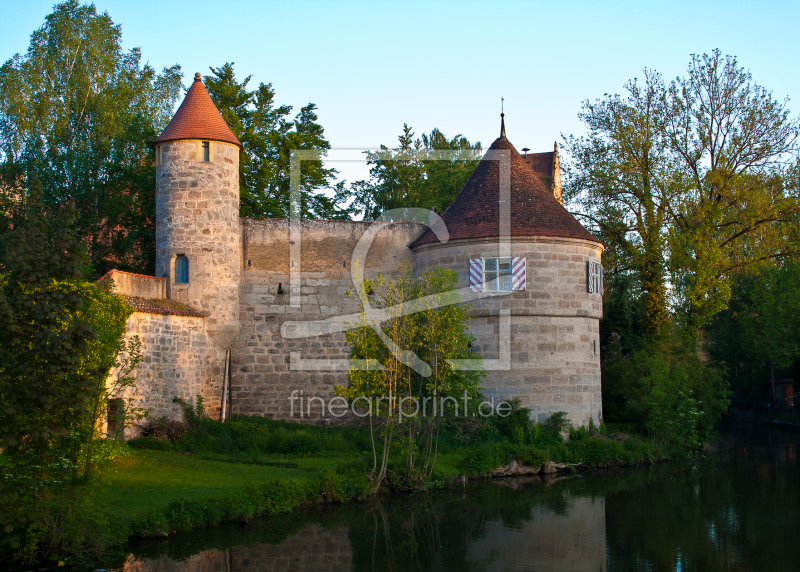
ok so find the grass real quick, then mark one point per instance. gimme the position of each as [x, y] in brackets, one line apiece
[148, 481]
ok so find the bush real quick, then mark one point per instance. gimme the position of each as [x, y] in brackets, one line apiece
[150, 443]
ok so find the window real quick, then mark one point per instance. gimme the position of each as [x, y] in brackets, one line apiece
[206, 151]
[497, 274]
[181, 269]
[595, 278]
[158, 155]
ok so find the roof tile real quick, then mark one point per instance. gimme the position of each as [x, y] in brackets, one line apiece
[475, 212]
[198, 118]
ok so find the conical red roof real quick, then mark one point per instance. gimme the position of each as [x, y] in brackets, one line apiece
[198, 118]
[475, 212]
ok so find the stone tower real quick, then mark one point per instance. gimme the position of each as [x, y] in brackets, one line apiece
[198, 237]
[534, 272]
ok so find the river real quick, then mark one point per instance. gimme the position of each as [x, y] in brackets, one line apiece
[735, 510]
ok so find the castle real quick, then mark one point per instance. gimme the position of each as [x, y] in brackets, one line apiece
[222, 316]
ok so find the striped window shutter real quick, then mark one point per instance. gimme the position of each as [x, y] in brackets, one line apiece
[519, 276]
[589, 277]
[476, 274]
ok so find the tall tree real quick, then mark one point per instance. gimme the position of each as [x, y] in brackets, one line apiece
[620, 177]
[689, 181]
[83, 112]
[734, 146]
[269, 137]
[756, 338]
[425, 172]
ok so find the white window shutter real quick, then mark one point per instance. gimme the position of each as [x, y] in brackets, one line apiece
[476, 274]
[519, 276]
[589, 277]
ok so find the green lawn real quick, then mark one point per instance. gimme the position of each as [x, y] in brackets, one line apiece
[150, 480]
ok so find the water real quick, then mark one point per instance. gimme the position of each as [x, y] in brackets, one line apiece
[735, 510]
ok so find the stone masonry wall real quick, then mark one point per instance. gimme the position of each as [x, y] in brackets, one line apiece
[129, 284]
[179, 360]
[262, 380]
[554, 324]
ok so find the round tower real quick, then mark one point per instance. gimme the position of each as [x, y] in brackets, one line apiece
[198, 239]
[533, 275]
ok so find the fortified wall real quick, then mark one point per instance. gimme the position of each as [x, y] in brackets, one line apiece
[262, 376]
[215, 321]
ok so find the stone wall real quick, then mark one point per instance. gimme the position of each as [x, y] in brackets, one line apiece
[262, 378]
[179, 360]
[129, 284]
[554, 324]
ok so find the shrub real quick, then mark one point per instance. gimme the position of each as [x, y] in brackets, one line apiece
[150, 443]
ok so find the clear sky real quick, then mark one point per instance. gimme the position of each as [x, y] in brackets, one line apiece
[371, 66]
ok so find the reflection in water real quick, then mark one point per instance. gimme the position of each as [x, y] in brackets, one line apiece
[736, 510]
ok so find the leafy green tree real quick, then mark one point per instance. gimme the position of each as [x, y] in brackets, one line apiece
[620, 177]
[399, 395]
[82, 112]
[643, 385]
[756, 338]
[269, 137]
[61, 337]
[426, 172]
[44, 329]
[689, 182]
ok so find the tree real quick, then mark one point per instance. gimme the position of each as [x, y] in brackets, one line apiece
[620, 176]
[82, 112]
[757, 335]
[269, 137]
[690, 181]
[734, 146]
[411, 372]
[61, 336]
[426, 172]
[45, 332]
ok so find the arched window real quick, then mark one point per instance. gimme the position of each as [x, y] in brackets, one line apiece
[181, 269]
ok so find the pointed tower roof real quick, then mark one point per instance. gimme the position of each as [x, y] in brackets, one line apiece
[198, 118]
[475, 212]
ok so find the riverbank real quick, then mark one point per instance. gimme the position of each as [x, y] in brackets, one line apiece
[161, 492]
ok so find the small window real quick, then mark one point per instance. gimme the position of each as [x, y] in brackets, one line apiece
[497, 275]
[181, 269]
[206, 151]
[158, 155]
[595, 278]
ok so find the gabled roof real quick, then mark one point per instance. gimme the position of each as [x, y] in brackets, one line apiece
[542, 164]
[475, 212]
[198, 118]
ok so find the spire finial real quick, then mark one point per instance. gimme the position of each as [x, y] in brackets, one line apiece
[502, 119]
[197, 77]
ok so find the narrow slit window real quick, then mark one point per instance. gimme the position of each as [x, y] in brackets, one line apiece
[206, 151]
[158, 156]
[181, 269]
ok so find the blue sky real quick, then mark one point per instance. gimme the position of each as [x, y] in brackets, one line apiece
[371, 66]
